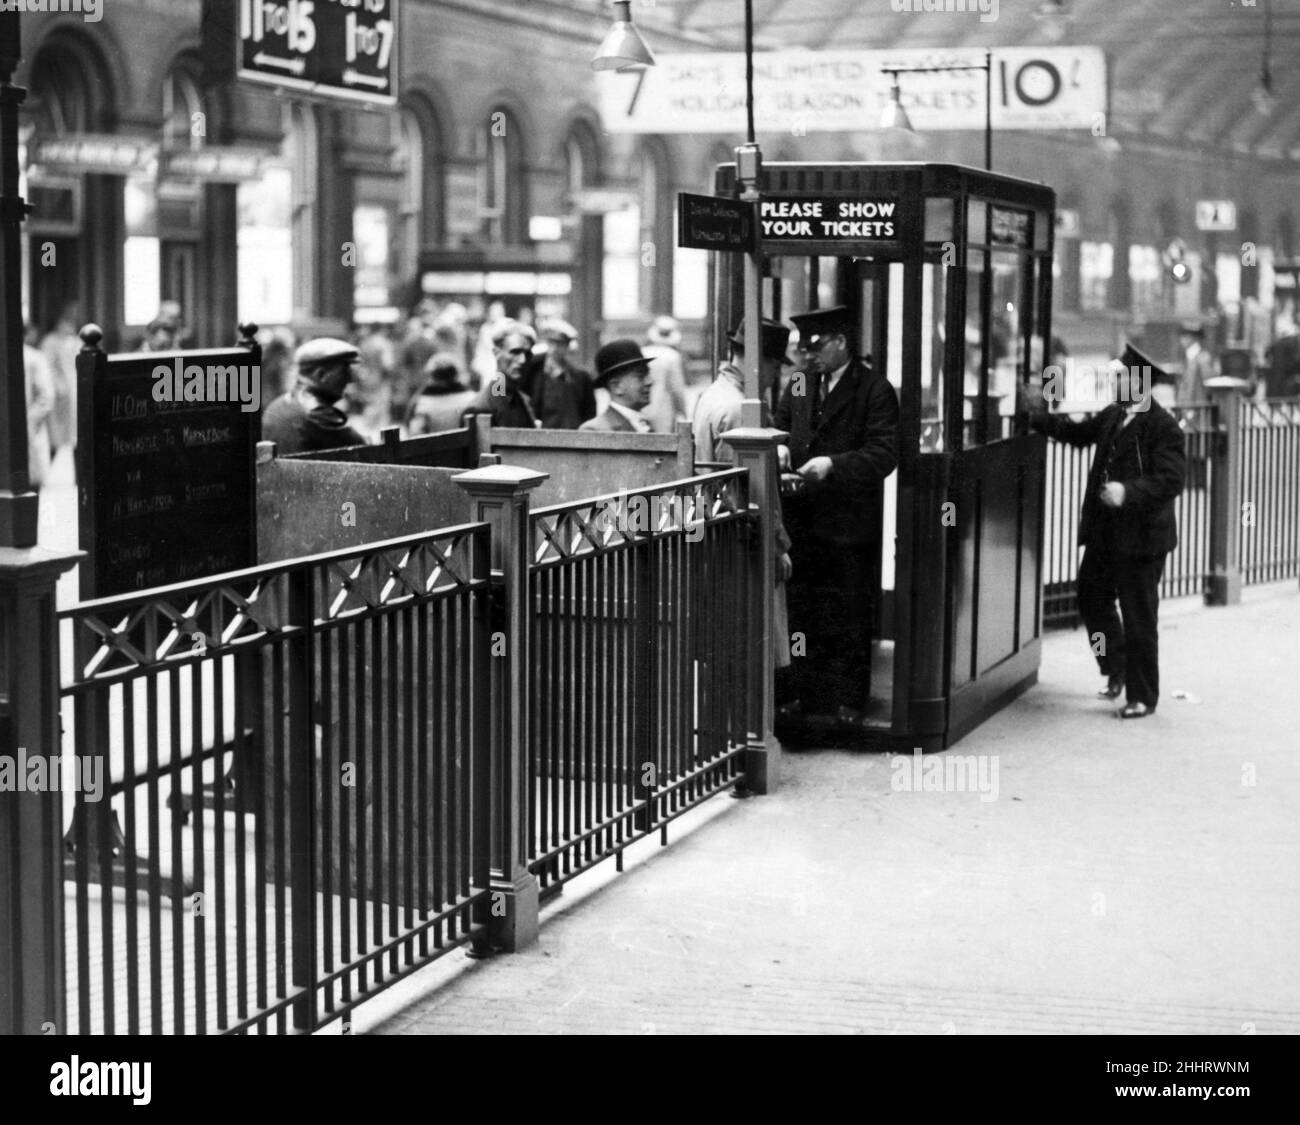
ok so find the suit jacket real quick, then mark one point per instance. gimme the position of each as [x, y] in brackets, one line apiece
[611, 422]
[512, 409]
[858, 430]
[1148, 458]
[560, 402]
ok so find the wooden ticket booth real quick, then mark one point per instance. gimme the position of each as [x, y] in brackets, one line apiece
[949, 272]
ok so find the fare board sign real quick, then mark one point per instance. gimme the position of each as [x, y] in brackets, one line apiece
[336, 48]
[829, 218]
[166, 488]
[711, 222]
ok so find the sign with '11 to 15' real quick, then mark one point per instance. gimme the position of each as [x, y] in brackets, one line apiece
[335, 48]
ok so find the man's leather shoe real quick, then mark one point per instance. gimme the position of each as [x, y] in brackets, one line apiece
[1135, 711]
[1114, 685]
[850, 718]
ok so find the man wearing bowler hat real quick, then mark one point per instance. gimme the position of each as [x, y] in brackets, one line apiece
[306, 419]
[1127, 525]
[842, 418]
[624, 371]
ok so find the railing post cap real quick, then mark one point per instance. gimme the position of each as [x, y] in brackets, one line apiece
[500, 480]
[754, 437]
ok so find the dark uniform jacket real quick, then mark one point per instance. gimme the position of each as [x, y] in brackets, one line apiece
[296, 430]
[560, 402]
[1147, 457]
[857, 428]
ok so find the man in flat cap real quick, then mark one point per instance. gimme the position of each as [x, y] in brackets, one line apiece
[624, 371]
[1127, 525]
[562, 393]
[842, 418]
[503, 396]
[306, 418]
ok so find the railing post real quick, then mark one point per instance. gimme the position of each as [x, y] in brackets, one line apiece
[500, 497]
[1223, 583]
[755, 449]
[32, 981]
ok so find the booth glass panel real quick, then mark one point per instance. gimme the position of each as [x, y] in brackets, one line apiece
[1006, 357]
[977, 214]
[938, 219]
[975, 374]
[934, 292]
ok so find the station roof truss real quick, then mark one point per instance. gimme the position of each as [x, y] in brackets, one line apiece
[1184, 71]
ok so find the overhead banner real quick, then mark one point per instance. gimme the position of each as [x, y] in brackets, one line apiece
[845, 91]
[337, 48]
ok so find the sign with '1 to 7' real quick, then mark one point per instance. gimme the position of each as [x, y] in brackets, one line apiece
[338, 48]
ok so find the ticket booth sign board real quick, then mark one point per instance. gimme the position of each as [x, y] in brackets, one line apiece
[166, 488]
[710, 222]
[339, 50]
[829, 219]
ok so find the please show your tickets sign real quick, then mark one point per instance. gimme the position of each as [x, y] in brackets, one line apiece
[828, 218]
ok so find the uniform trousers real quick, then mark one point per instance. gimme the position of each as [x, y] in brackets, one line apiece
[1125, 643]
[830, 597]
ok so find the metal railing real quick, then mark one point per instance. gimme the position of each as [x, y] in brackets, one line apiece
[1268, 458]
[339, 702]
[641, 664]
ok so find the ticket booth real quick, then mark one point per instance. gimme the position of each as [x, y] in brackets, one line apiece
[949, 272]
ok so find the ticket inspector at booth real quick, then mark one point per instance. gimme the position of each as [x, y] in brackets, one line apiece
[947, 275]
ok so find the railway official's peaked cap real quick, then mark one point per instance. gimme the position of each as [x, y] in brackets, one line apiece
[775, 341]
[1132, 358]
[817, 325]
[322, 352]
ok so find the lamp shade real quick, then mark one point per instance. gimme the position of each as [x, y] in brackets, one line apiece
[894, 115]
[623, 48]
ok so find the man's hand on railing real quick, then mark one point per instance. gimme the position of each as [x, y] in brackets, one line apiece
[783, 457]
[784, 568]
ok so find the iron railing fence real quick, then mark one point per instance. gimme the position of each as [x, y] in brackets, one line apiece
[295, 807]
[1268, 458]
[644, 657]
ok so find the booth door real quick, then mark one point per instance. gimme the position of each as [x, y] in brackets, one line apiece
[996, 486]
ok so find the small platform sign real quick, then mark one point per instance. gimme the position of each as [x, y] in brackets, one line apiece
[1216, 214]
[712, 222]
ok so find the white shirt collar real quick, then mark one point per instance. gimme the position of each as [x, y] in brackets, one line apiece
[635, 417]
[835, 377]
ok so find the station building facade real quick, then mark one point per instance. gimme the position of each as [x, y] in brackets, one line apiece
[156, 175]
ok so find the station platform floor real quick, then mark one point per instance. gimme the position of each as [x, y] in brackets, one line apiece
[1111, 877]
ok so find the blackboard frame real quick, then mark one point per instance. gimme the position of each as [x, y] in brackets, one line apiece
[99, 378]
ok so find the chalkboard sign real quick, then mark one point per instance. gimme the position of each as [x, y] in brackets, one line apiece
[165, 464]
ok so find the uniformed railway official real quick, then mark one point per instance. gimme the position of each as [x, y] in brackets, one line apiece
[1127, 526]
[842, 418]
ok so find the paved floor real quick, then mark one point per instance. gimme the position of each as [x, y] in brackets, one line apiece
[1124, 877]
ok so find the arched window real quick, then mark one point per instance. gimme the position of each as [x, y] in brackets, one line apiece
[420, 157]
[62, 98]
[185, 123]
[504, 191]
